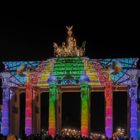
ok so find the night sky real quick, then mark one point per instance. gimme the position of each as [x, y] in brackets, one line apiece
[31, 37]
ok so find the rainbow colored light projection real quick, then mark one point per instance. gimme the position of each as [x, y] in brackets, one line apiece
[68, 72]
[133, 112]
[84, 109]
[70, 67]
[138, 113]
[0, 120]
[52, 102]
[5, 111]
[28, 116]
[108, 109]
[139, 124]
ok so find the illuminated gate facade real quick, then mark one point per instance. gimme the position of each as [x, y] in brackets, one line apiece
[68, 71]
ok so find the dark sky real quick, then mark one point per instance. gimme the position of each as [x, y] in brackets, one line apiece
[31, 37]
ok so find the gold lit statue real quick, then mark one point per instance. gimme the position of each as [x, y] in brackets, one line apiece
[69, 48]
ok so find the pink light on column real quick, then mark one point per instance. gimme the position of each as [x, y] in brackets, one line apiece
[85, 131]
[108, 109]
[28, 116]
[105, 80]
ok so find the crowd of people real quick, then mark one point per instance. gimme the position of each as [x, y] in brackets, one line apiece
[66, 134]
[58, 137]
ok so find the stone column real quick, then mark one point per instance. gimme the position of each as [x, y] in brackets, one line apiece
[36, 111]
[5, 129]
[28, 109]
[108, 109]
[128, 115]
[139, 112]
[133, 110]
[84, 109]
[15, 111]
[59, 111]
[139, 124]
[53, 91]
[0, 117]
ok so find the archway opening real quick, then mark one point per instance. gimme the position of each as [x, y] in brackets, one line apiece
[97, 112]
[120, 110]
[22, 114]
[71, 110]
[0, 91]
[44, 110]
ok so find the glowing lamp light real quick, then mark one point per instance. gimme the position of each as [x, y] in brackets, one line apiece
[119, 129]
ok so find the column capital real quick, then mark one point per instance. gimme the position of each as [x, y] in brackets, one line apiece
[51, 84]
[53, 89]
[84, 88]
[133, 83]
[5, 87]
[133, 92]
[37, 89]
[138, 73]
[84, 85]
[17, 90]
